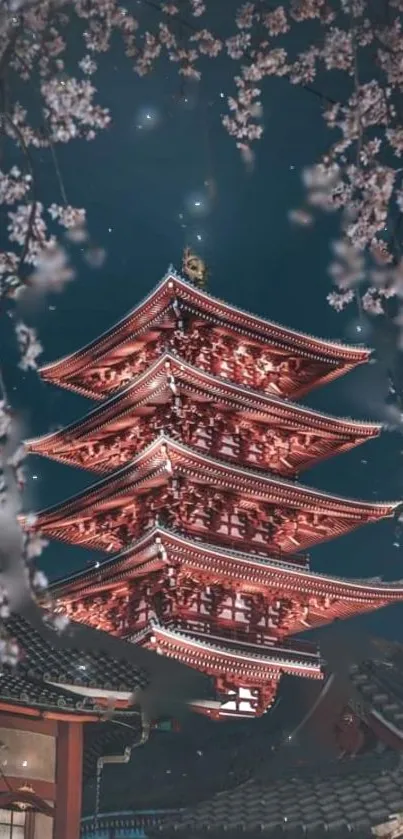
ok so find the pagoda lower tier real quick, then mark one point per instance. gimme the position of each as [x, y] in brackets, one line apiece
[219, 418]
[246, 676]
[209, 334]
[168, 576]
[177, 486]
[227, 613]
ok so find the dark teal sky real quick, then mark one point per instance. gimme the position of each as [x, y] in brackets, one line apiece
[135, 184]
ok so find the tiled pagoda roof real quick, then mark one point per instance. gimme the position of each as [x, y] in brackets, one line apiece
[165, 456]
[242, 656]
[348, 596]
[163, 449]
[151, 386]
[340, 357]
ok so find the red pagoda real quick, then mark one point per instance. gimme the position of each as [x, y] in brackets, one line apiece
[199, 443]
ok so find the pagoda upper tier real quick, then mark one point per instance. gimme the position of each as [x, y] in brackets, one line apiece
[217, 417]
[177, 486]
[209, 334]
[214, 591]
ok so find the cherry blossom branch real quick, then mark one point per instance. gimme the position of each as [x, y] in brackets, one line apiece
[47, 132]
[3, 391]
[32, 215]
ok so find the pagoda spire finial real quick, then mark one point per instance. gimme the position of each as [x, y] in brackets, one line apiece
[194, 268]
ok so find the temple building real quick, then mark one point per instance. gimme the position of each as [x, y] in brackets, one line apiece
[74, 703]
[197, 445]
[46, 705]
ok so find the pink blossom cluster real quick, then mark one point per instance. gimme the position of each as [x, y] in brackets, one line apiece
[70, 111]
[197, 7]
[357, 175]
[29, 346]
[14, 186]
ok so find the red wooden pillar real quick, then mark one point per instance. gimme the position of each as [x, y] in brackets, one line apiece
[69, 760]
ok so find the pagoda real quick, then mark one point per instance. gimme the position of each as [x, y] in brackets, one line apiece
[197, 443]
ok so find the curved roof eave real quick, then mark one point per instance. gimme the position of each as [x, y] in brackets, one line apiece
[377, 509]
[370, 586]
[336, 351]
[346, 424]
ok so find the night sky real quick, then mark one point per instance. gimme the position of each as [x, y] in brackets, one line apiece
[140, 186]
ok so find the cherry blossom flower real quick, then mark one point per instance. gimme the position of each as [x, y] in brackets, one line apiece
[39, 581]
[339, 300]
[198, 7]
[53, 270]
[29, 346]
[5, 419]
[34, 545]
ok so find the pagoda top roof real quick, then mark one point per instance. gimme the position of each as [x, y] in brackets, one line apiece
[173, 287]
[158, 458]
[155, 379]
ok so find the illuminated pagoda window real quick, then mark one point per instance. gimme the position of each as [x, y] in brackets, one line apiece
[196, 445]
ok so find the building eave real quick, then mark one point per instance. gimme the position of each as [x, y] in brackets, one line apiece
[173, 286]
[270, 660]
[159, 457]
[253, 570]
[346, 597]
[155, 379]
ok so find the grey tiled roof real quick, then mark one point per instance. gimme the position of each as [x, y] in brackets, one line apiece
[381, 686]
[354, 794]
[43, 662]
[294, 790]
[82, 657]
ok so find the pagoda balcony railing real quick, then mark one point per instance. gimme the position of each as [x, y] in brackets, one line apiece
[124, 825]
[242, 636]
[235, 547]
[300, 646]
[301, 559]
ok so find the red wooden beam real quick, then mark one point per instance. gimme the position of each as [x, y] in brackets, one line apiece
[16, 722]
[69, 758]
[9, 708]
